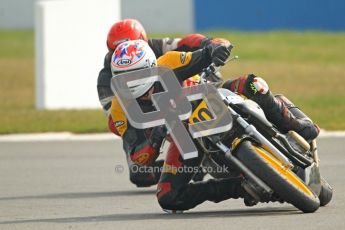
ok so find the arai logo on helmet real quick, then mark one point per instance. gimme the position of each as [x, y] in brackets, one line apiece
[123, 62]
[128, 54]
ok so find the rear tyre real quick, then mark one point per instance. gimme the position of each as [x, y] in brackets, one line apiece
[326, 193]
[283, 181]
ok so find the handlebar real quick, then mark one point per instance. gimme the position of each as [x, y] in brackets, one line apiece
[209, 73]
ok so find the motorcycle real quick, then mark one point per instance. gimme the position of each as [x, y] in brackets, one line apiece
[276, 166]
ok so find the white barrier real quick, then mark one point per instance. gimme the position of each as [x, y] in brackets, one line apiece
[70, 46]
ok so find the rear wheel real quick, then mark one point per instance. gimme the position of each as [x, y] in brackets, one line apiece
[326, 193]
[283, 181]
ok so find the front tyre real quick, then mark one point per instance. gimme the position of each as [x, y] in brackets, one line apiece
[282, 180]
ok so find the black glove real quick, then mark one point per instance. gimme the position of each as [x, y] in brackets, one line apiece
[158, 134]
[218, 53]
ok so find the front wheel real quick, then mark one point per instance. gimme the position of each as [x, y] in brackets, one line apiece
[283, 181]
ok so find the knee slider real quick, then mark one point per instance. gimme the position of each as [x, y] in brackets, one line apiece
[257, 85]
[166, 196]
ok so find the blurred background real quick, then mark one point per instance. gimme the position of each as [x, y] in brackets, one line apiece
[296, 46]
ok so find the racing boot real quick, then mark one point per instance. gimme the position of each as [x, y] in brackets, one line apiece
[232, 188]
[188, 196]
[223, 189]
[249, 201]
[199, 175]
[287, 117]
[277, 110]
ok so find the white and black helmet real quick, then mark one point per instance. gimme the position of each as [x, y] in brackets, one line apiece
[133, 55]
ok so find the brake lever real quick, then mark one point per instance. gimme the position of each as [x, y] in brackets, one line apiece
[212, 69]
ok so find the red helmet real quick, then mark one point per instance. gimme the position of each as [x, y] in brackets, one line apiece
[124, 30]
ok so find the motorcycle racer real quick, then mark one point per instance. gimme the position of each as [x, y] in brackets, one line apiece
[251, 86]
[131, 29]
[174, 191]
[142, 146]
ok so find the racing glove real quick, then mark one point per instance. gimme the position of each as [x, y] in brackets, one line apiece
[218, 53]
[158, 134]
[221, 41]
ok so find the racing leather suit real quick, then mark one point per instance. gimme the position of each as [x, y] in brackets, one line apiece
[190, 42]
[174, 192]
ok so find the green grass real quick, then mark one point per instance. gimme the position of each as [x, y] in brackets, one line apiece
[306, 67]
[309, 68]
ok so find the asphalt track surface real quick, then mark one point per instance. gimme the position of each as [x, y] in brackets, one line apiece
[73, 185]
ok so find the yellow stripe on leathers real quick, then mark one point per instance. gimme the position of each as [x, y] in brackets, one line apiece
[118, 115]
[172, 60]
